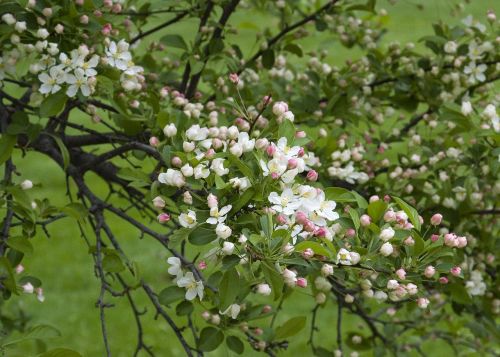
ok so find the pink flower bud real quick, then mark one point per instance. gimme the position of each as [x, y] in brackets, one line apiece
[117, 8]
[443, 280]
[320, 232]
[163, 217]
[387, 198]
[429, 271]
[202, 265]
[106, 29]
[455, 271]
[300, 134]
[158, 202]
[390, 216]
[301, 217]
[312, 176]
[281, 219]
[270, 150]
[461, 242]
[275, 175]
[84, 19]
[206, 315]
[153, 141]
[374, 198]
[434, 237]
[301, 152]
[309, 226]
[450, 239]
[292, 163]
[350, 232]
[233, 77]
[308, 253]
[79, 2]
[302, 282]
[267, 309]
[401, 273]
[19, 269]
[258, 331]
[212, 201]
[422, 303]
[210, 153]
[98, 13]
[365, 220]
[436, 219]
[176, 161]
[409, 241]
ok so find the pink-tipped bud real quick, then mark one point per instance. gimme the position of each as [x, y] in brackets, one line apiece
[275, 175]
[212, 201]
[154, 141]
[443, 280]
[270, 150]
[158, 202]
[292, 163]
[308, 253]
[374, 198]
[267, 309]
[210, 153]
[176, 161]
[84, 19]
[450, 239]
[312, 176]
[365, 220]
[206, 315]
[409, 241]
[281, 219]
[300, 134]
[436, 219]
[350, 232]
[301, 217]
[106, 29]
[301, 152]
[163, 217]
[19, 269]
[390, 216]
[233, 77]
[455, 271]
[258, 331]
[387, 198]
[429, 271]
[434, 237]
[202, 265]
[302, 282]
[320, 232]
[461, 242]
[401, 273]
[309, 226]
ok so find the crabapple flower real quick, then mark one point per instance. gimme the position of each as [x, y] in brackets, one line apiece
[193, 287]
[347, 258]
[218, 167]
[28, 288]
[79, 81]
[175, 266]
[422, 303]
[228, 248]
[475, 72]
[172, 178]
[285, 203]
[188, 219]
[223, 231]
[118, 55]
[217, 216]
[387, 234]
[51, 82]
[233, 310]
[289, 277]
[158, 202]
[26, 185]
[386, 249]
[264, 289]
[170, 130]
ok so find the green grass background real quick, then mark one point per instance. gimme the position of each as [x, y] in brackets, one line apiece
[66, 269]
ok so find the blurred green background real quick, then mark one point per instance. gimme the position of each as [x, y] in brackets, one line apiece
[63, 264]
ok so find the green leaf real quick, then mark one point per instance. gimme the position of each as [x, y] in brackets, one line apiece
[39, 332]
[459, 294]
[76, 210]
[20, 244]
[274, 278]
[291, 327]
[242, 200]
[315, 246]
[63, 149]
[229, 288]
[53, 104]
[60, 352]
[235, 344]
[7, 143]
[112, 263]
[355, 217]
[184, 308]
[171, 294]
[202, 236]
[174, 41]
[245, 170]
[376, 209]
[294, 48]
[210, 339]
[268, 59]
[339, 194]
[410, 211]
[287, 130]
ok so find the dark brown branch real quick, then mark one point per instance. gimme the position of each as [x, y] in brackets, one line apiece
[175, 19]
[226, 13]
